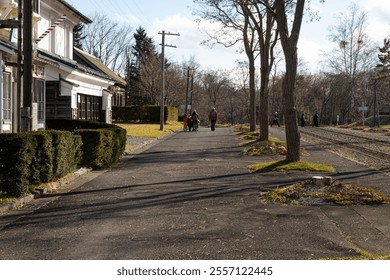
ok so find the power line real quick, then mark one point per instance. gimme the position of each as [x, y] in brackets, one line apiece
[142, 14]
[96, 3]
[117, 8]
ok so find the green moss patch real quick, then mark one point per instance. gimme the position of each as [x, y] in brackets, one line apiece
[282, 165]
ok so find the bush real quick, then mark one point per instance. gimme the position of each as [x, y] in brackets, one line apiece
[32, 158]
[103, 144]
[16, 156]
[67, 152]
[101, 147]
[42, 164]
[73, 125]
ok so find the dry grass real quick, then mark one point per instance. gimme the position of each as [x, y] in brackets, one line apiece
[363, 255]
[4, 198]
[150, 130]
[255, 147]
[307, 193]
[265, 147]
[282, 165]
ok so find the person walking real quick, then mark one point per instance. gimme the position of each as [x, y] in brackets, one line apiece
[276, 119]
[303, 119]
[213, 117]
[315, 120]
[194, 121]
[186, 119]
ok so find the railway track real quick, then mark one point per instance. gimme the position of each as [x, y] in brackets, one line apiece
[372, 150]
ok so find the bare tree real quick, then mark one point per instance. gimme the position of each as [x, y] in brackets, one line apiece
[263, 21]
[214, 83]
[354, 52]
[289, 39]
[108, 41]
[236, 26]
[150, 79]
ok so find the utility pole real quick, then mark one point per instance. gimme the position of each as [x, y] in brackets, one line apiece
[376, 104]
[192, 88]
[16, 100]
[128, 76]
[188, 85]
[163, 45]
[17, 127]
[27, 66]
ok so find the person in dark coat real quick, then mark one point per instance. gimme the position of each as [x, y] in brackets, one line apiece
[213, 117]
[303, 119]
[276, 119]
[315, 120]
[194, 121]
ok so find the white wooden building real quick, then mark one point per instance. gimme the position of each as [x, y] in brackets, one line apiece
[62, 87]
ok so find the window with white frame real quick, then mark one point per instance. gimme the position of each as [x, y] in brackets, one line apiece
[6, 96]
[35, 6]
[39, 98]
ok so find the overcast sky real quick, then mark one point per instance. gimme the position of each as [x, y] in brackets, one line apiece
[176, 16]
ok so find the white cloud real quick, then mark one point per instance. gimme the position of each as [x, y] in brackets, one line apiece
[310, 52]
[189, 43]
[314, 35]
[378, 19]
[128, 18]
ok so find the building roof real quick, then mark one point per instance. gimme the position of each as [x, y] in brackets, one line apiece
[82, 17]
[56, 59]
[8, 47]
[95, 63]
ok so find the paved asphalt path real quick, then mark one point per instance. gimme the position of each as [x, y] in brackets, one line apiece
[189, 196]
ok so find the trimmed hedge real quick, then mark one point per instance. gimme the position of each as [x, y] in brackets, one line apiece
[32, 158]
[143, 113]
[101, 147]
[73, 125]
[103, 144]
[67, 152]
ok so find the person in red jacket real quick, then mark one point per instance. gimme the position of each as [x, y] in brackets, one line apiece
[185, 121]
[213, 117]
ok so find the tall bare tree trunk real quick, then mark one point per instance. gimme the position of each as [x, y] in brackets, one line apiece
[264, 101]
[290, 111]
[289, 42]
[252, 94]
[248, 36]
[263, 21]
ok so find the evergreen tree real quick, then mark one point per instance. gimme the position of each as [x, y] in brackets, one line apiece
[78, 36]
[143, 59]
[144, 48]
[384, 56]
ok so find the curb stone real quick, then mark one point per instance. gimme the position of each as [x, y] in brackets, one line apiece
[53, 186]
[48, 187]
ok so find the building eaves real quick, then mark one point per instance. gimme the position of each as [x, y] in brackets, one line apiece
[56, 58]
[71, 63]
[95, 63]
[83, 18]
[8, 47]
